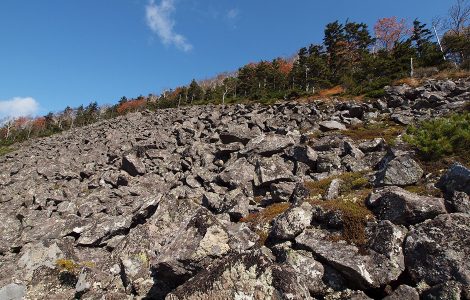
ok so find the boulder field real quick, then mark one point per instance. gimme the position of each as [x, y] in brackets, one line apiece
[288, 201]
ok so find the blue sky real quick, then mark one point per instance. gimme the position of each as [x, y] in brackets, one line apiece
[55, 53]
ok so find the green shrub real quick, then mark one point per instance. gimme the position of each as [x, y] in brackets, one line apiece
[448, 136]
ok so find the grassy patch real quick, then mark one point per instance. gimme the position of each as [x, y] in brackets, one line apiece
[423, 190]
[388, 131]
[259, 220]
[350, 204]
[443, 137]
[354, 215]
[351, 184]
[5, 150]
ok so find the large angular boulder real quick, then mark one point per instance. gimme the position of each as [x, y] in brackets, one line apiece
[282, 191]
[238, 133]
[238, 173]
[308, 269]
[456, 179]
[199, 241]
[268, 145]
[403, 292]
[272, 170]
[133, 165]
[378, 267]
[437, 250]
[400, 171]
[331, 125]
[402, 207]
[304, 154]
[253, 275]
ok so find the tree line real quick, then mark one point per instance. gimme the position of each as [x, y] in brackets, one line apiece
[350, 56]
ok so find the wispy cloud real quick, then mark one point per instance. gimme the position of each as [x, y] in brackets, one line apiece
[18, 107]
[233, 13]
[160, 21]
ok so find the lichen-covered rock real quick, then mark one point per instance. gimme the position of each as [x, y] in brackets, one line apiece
[13, 291]
[370, 270]
[456, 179]
[308, 269]
[290, 223]
[268, 145]
[238, 173]
[402, 207]
[282, 191]
[247, 276]
[437, 250]
[272, 170]
[459, 202]
[447, 290]
[401, 171]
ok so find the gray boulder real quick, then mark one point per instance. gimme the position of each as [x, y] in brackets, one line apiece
[237, 133]
[376, 144]
[133, 165]
[331, 125]
[13, 291]
[457, 178]
[403, 292]
[238, 173]
[437, 250]
[246, 276]
[402, 207]
[328, 161]
[282, 191]
[267, 145]
[273, 169]
[401, 171]
[448, 290]
[364, 271]
[459, 202]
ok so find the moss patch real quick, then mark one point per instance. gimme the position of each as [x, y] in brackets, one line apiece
[386, 130]
[354, 215]
[350, 204]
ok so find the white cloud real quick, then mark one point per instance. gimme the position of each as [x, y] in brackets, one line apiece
[233, 13]
[159, 20]
[17, 107]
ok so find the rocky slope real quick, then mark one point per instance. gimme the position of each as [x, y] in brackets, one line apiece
[242, 202]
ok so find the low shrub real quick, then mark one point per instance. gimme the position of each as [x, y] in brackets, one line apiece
[435, 139]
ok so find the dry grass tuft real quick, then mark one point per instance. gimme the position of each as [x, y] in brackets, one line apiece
[388, 131]
[266, 215]
[412, 82]
[337, 90]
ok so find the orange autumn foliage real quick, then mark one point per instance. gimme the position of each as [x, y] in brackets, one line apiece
[132, 105]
